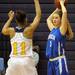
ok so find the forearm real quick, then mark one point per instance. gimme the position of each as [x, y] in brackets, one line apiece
[6, 26]
[63, 7]
[56, 10]
[37, 18]
[37, 7]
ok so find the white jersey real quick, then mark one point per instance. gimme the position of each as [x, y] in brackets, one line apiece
[21, 46]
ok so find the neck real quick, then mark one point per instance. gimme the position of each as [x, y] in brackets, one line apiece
[56, 26]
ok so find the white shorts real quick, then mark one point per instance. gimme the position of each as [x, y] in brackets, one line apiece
[21, 66]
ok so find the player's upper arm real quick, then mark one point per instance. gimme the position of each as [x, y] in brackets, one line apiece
[63, 27]
[31, 28]
[9, 31]
[50, 24]
[35, 22]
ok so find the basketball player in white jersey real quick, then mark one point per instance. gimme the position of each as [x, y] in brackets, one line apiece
[21, 60]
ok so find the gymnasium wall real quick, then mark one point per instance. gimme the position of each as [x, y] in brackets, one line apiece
[41, 34]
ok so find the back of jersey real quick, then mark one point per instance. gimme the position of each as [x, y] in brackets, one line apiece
[20, 45]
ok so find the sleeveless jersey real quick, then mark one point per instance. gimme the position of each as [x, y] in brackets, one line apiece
[55, 44]
[20, 45]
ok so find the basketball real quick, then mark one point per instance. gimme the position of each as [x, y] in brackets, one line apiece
[57, 3]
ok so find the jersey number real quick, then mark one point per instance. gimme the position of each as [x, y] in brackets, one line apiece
[22, 45]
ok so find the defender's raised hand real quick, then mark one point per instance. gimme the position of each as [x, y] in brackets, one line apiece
[11, 14]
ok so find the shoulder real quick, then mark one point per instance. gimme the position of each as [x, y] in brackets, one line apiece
[28, 32]
[11, 32]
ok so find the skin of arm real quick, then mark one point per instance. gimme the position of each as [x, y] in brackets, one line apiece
[49, 22]
[6, 30]
[63, 27]
[31, 28]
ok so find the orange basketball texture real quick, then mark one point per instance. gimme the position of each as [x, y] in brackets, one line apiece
[57, 3]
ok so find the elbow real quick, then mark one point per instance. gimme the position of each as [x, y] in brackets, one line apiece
[4, 31]
[38, 16]
[48, 20]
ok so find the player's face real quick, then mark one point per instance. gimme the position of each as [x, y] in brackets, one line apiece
[56, 20]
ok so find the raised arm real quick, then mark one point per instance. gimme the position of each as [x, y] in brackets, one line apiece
[30, 29]
[37, 18]
[49, 20]
[6, 29]
[63, 27]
